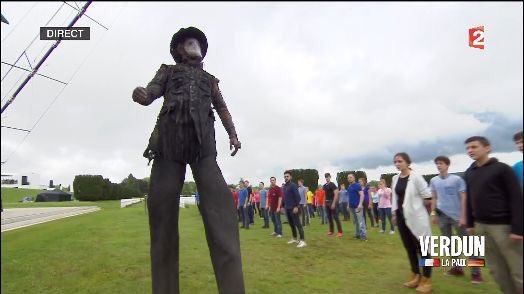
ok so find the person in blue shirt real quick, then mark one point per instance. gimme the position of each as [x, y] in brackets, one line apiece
[243, 198]
[356, 200]
[344, 200]
[263, 204]
[448, 209]
[367, 206]
[517, 168]
[292, 206]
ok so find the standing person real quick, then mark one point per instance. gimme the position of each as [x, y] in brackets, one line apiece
[356, 200]
[331, 191]
[256, 196]
[250, 203]
[292, 206]
[184, 134]
[374, 199]
[197, 199]
[448, 208]
[263, 204]
[234, 192]
[320, 196]
[274, 197]
[409, 213]
[243, 199]
[344, 199]
[494, 210]
[384, 206]
[517, 168]
[302, 192]
[310, 196]
[367, 204]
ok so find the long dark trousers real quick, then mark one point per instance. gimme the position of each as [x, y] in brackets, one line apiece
[333, 214]
[412, 246]
[220, 223]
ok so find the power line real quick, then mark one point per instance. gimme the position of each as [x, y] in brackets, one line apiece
[15, 66]
[18, 22]
[38, 34]
[43, 59]
[87, 16]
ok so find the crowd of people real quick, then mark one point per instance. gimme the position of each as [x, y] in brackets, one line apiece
[487, 202]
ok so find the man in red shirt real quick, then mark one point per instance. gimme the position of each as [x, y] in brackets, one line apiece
[235, 198]
[274, 197]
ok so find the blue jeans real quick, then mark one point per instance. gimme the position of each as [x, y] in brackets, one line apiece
[275, 218]
[383, 213]
[264, 213]
[358, 220]
[245, 216]
[323, 216]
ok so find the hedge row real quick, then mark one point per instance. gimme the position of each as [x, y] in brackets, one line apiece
[310, 177]
[95, 187]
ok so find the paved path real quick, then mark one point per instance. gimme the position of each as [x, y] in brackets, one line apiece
[15, 218]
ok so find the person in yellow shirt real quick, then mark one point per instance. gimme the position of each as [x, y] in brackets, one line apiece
[309, 200]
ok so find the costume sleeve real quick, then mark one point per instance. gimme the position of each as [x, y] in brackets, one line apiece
[221, 108]
[157, 86]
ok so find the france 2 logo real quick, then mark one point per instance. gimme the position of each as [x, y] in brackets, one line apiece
[476, 37]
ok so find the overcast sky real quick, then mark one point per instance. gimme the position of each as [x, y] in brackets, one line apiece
[332, 86]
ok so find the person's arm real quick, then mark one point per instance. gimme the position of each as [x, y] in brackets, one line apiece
[227, 121]
[462, 221]
[470, 220]
[361, 200]
[433, 213]
[335, 199]
[512, 187]
[155, 89]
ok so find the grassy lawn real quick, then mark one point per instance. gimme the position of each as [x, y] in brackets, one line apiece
[13, 195]
[108, 252]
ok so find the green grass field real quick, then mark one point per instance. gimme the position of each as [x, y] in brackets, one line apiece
[108, 252]
[13, 195]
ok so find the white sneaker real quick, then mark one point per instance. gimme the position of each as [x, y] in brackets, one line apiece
[301, 244]
[273, 234]
[381, 231]
[292, 241]
[279, 236]
[391, 232]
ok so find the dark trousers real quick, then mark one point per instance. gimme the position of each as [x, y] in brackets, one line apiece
[412, 246]
[383, 213]
[220, 224]
[245, 216]
[251, 212]
[295, 224]
[367, 211]
[375, 212]
[333, 214]
[345, 210]
[311, 210]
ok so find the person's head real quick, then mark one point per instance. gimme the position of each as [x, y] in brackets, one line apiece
[261, 185]
[362, 182]
[351, 178]
[382, 184]
[189, 45]
[287, 176]
[327, 176]
[402, 161]
[246, 183]
[342, 186]
[241, 184]
[442, 162]
[372, 188]
[301, 182]
[517, 138]
[478, 147]
[319, 187]
[273, 181]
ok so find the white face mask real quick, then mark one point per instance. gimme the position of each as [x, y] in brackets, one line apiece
[192, 47]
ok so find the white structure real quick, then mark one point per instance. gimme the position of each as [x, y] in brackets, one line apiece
[21, 180]
[131, 201]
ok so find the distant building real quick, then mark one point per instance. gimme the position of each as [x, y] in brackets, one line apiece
[21, 180]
